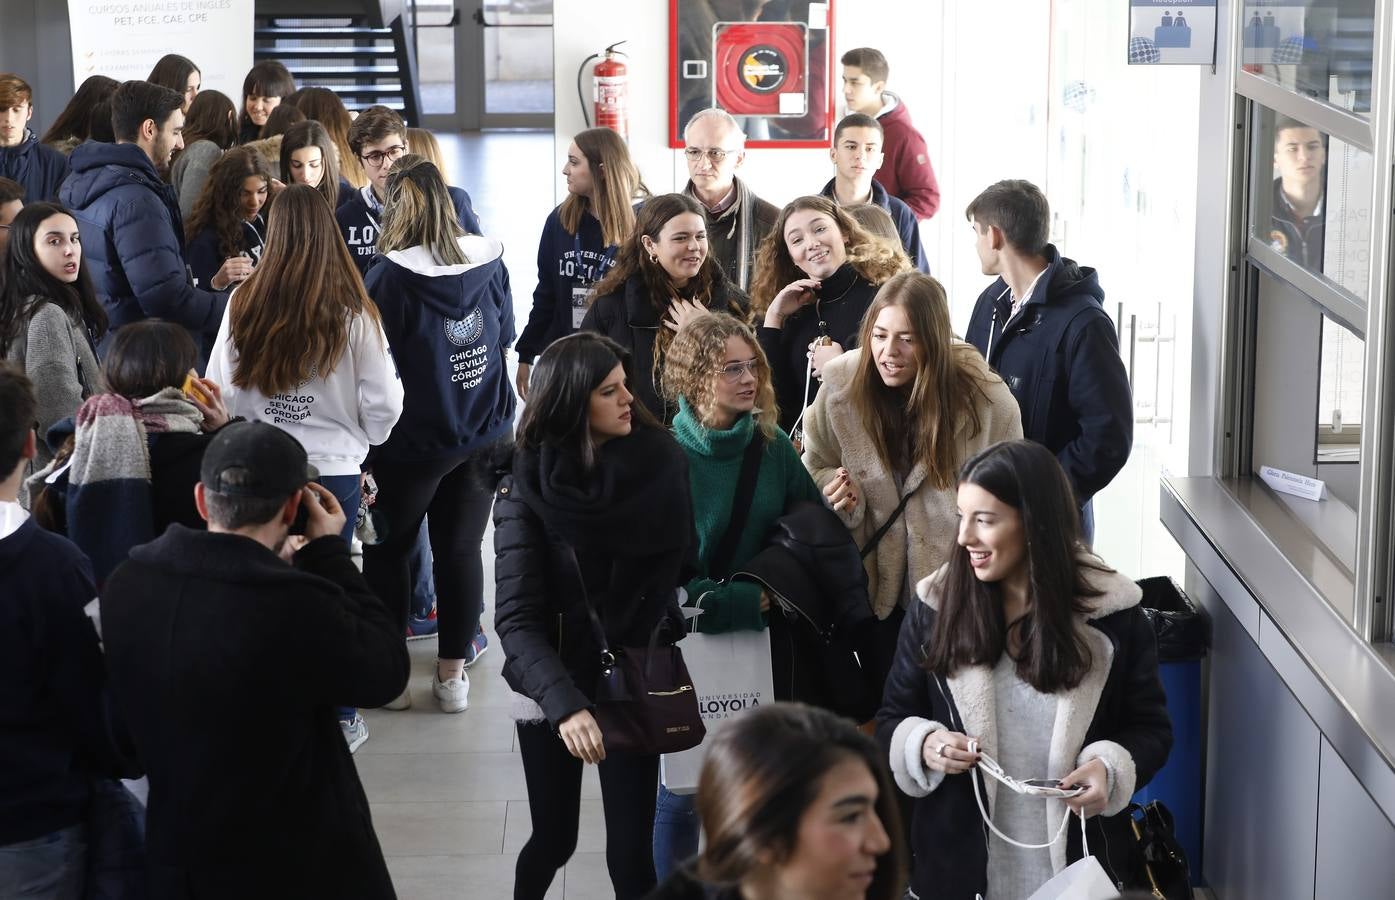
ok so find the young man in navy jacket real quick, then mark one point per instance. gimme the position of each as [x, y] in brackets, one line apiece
[1042, 327]
[56, 747]
[378, 138]
[38, 168]
[132, 232]
[856, 153]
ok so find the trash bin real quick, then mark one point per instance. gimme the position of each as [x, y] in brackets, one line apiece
[1184, 636]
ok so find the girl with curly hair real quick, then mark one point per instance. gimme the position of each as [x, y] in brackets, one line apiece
[719, 379]
[816, 273]
[227, 223]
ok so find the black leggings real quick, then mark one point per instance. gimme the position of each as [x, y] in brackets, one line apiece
[554, 803]
[459, 501]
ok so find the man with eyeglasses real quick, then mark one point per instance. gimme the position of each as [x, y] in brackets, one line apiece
[11, 202]
[378, 138]
[736, 218]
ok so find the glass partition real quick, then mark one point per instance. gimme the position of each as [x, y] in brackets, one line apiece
[1318, 48]
[1341, 366]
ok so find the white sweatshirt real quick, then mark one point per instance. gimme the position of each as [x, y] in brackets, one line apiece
[336, 417]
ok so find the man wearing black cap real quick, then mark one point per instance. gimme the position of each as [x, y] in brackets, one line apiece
[252, 789]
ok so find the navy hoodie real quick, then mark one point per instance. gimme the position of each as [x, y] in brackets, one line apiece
[133, 240]
[359, 222]
[54, 732]
[206, 256]
[1060, 357]
[906, 224]
[566, 262]
[448, 328]
[38, 169]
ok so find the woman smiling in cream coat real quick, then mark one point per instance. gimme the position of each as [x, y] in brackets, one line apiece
[899, 416]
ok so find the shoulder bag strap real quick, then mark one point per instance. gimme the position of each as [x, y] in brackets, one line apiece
[597, 629]
[721, 562]
[886, 526]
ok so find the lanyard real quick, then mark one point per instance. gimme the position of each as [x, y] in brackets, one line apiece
[606, 259]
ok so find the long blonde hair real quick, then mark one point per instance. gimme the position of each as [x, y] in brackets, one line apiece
[417, 212]
[871, 257]
[695, 359]
[423, 143]
[920, 425]
[615, 185]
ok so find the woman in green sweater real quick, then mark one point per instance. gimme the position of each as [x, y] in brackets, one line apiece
[718, 375]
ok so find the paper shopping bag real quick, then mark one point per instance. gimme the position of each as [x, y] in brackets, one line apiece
[1084, 879]
[731, 674]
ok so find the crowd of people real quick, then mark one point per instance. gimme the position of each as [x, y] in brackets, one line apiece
[254, 364]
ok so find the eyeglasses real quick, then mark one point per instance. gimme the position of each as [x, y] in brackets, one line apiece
[733, 372]
[714, 155]
[378, 157]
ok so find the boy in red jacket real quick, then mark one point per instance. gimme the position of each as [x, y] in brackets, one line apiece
[905, 172]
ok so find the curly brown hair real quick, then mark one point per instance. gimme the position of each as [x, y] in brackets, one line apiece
[695, 359]
[872, 258]
[217, 206]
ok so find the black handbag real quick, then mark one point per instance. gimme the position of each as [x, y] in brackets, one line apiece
[1162, 868]
[645, 700]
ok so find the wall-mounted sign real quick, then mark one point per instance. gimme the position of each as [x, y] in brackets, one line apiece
[1172, 32]
[123, 39]
[770, 68]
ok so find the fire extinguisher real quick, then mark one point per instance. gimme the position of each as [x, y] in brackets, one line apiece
[610, 91]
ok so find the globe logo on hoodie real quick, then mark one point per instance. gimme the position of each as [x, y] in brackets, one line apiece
[464, 332]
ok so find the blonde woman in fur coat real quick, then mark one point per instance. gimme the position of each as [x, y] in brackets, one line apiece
[1028, 649]
[895, 419]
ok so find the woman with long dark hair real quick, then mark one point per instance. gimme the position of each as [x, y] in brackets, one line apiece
[317, 368]
[266, 85]
[816, 273]
[663, 277]
[1026, 649]
[448, 314]
[719, 379]
[227, 221]
[209, 130]
[308, 157]
[580, 239]
[795, 803]
[72, 125]
[324, 106]
[179, 74]
[50, 318]
[597, 505]
[886, 435]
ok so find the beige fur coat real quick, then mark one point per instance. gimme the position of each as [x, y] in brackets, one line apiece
[834, 437]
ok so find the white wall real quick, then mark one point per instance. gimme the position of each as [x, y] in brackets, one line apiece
[976, 91]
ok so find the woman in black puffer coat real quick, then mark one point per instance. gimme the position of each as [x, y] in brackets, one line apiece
[595, 476]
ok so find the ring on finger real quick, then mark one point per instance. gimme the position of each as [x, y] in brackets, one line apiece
[940, 750]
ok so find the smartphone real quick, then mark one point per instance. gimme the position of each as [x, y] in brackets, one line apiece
[302, 514]
[191, 387]
[1045, 787]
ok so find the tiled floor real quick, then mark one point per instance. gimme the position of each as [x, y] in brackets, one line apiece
[449, 802]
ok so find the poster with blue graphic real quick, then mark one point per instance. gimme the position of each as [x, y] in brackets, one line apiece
[1274, 32]
[1172, 32]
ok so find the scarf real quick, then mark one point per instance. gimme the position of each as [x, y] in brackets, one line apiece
[740, 225]
[109, 504]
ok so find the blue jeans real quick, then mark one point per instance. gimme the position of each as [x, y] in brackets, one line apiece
[423, 580]
[52, 867]
[116, 843]
[676, 827]
[346, 490]
[1087, 522]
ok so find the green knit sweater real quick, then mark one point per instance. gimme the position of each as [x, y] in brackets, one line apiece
[714, 464]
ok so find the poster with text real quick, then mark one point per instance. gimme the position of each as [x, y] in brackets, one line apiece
[123, 39]
[1172, 32]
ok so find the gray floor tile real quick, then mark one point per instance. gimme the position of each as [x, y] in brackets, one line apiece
[439, 828]
[455, 877]
[425, 729]
[590, 836]
[587, 878]
[416, 777]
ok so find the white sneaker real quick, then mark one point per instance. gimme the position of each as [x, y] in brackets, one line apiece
[355, 731]
[403, 701]
[453, 695]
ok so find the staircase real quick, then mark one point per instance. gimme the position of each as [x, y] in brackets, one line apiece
[352, 48]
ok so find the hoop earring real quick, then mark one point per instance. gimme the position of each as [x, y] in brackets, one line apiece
[654, 258]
